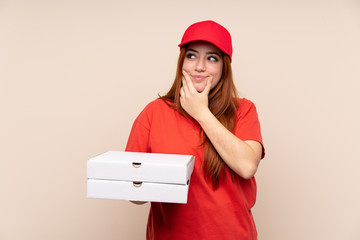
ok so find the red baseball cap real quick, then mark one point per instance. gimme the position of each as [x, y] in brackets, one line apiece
[211, 32]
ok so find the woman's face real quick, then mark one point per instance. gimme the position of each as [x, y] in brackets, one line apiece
[202, 62]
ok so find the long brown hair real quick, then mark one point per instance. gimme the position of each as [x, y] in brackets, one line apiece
[222, 103]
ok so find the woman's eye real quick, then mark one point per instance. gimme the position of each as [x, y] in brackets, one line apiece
[213, 59]
[190, 55]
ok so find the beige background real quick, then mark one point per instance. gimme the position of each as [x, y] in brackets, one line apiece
[75, 74]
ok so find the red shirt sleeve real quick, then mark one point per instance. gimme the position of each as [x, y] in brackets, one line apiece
[139, 136]
[247, 126]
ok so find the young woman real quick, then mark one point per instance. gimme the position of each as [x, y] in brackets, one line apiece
[202, 115]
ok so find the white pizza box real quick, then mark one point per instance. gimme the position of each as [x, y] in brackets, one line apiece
[141, 167]
[137, 191]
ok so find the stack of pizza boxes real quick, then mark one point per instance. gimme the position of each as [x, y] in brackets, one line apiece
[140, 176]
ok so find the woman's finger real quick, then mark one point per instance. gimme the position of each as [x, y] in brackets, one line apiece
[189, 83]
[184, 86]
[182, 93]
[208, 86]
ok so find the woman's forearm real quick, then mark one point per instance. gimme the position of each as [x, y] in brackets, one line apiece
[242, 157]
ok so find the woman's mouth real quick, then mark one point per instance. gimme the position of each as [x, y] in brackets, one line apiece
[198, 78]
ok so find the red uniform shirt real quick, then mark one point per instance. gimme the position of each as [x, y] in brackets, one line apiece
[221, 214]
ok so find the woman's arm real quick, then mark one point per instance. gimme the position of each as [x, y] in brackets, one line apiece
[242, 157]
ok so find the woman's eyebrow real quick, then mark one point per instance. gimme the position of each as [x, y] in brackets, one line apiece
[190, 49]
[216, 53]
[208, 53]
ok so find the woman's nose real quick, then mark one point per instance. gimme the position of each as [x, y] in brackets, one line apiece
[200, 65]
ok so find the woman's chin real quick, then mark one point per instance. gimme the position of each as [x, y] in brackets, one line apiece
[199, 87]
